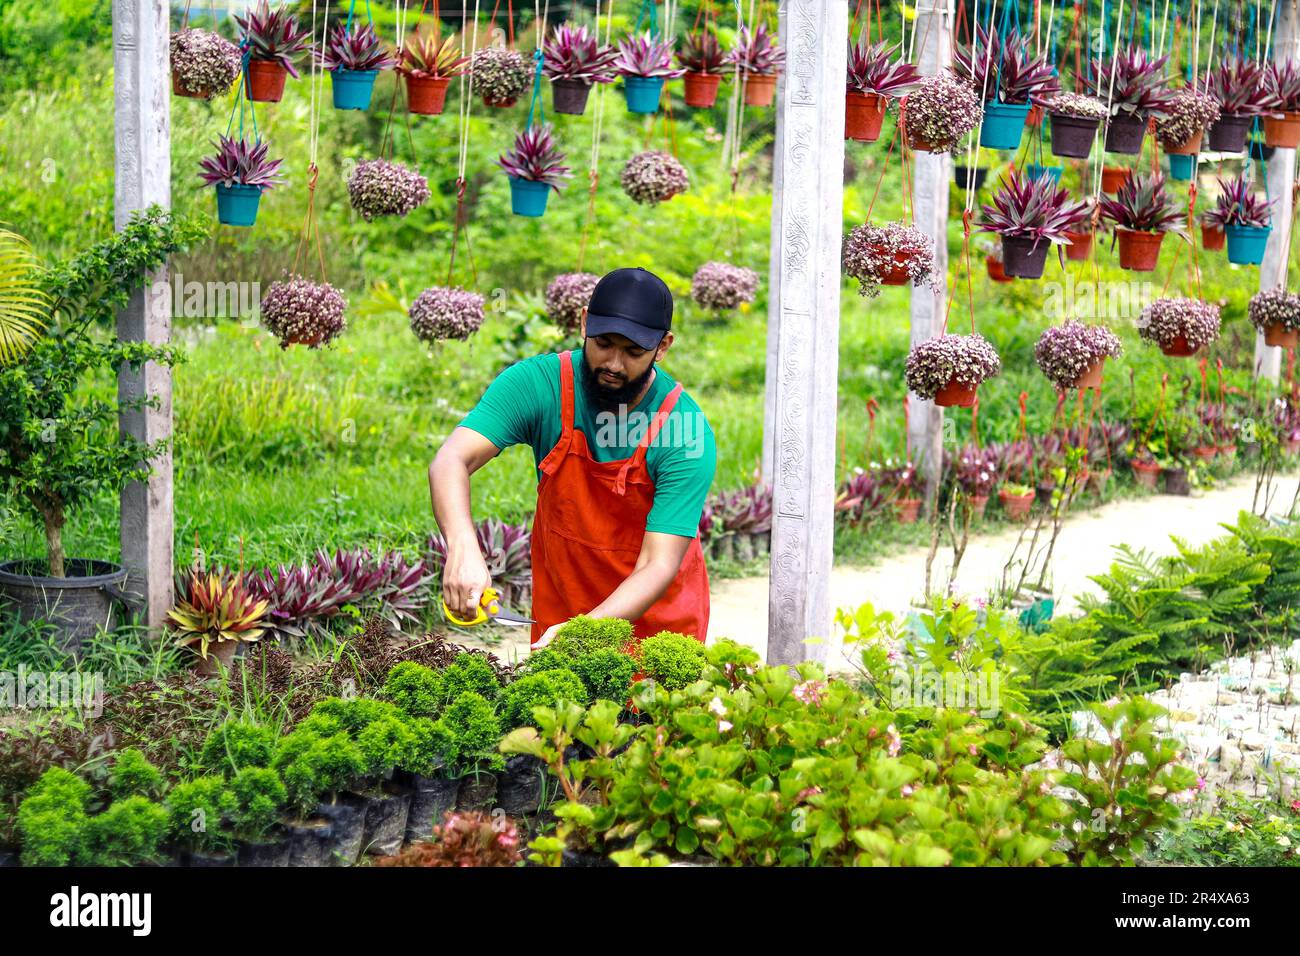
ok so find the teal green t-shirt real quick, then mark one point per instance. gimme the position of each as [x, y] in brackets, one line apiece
[522, 407]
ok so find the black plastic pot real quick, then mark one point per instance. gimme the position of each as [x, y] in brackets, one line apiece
[386, 814]
[1024, 259]
[1176, 481]
[1072, 136]
[580, 858]
[521, 787]
[1228, 134]
[968, 178]
[77, 605]
[478, 791]
[274, 852]
[431, 798]
[1261, 151]
[570, 96]
[310, 841]
[348, 828]
[1124, 133]
[8, 858]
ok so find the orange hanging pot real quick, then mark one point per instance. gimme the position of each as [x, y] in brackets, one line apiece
[426, 95]
[1282, 129]
[1145, 473]
[1139, 251]
[1190, 147]
[1213, 238]
[1080, 246]
[265, 80]
[1178, 347]
[864, 114]
[907, 510]
[1278, 335]
[997, 271]
[956, 395]
[1035, 116]
[1016, 506]
[701, 89]
[760, 89]
[1112, 178]
[1091, 377]
[897, 273]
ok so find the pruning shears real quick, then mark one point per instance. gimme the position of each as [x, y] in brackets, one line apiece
[489, 608]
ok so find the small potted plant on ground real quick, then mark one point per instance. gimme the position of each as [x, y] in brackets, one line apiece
[993, 260]
[875, 78]
[353, 58]
[298, 311]
[500, 75]
[1180, 326]
[1237, 84]
[722, 287]
[429, 64]
[204, 64]
[573, 60]
[1016, 500]
[1281, 101]
[1146, 470]
[1008, 78]
[948, 369]
[645, 63]
[215, 612]
[535, 167]
[1134, 85]
[1142, 213]
[1182, 127]
[939, 112]
[759, 60]
[892, 254]
[1247, 221]
[1072, 355]
[653, 177]
[272, 38]
[976, 475]
[1276, 313]
[705, 62]
[1075, 118]
[440, 313]
[241, 171]
[900, 479]
[1031, 215]
[379, 187]
[567, 295]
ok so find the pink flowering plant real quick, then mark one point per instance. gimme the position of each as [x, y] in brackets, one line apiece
[439, 313]
[238, 162]
[755, 52]
[941, 110]
[1237, 205]
[298, 311]
[1143, 205]
[567, 295]
[1131, 82]
[1238, 84]
[1189, 112]
[645, 55]
[721, 287]
[204, 63]
[654, 176]
[1164, 320]
[1274, 307]
[358, 48]
[573, 52]
[1065, 352]
[872, 68]
[274, 35]
[702, 53]
[1281, 87]
[964, 359]
[379, 187]
[871, 252]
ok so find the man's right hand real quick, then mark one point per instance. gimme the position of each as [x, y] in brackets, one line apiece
[465, 576]
[464, 579]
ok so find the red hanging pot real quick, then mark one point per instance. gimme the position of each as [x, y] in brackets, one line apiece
[1191, 147]
[1178, 347]
[1145, 473]
[266, 80]
[760, 89]
[864, 114]
[1112, 177]
[956, 394]
[1091, 377]
[702, 89]
[1279, 336]
[996, 271]
[1016, 506]
[426, 95]
[897, 273]
[907, 510]
[1204, 452]
[1282, 129]
[1080, 246]
[1213, 238]
[1139, 251]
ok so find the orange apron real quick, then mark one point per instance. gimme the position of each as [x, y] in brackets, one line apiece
[589, 527]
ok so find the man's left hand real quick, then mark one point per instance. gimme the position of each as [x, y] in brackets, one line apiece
[546, 637]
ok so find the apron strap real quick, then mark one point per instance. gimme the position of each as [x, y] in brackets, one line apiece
[656, 424]
[552, 461]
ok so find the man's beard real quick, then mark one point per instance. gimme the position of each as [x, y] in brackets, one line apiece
[611, 398]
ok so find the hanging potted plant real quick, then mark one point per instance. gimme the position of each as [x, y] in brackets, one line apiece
[353, 58]
[1213, 238]
[240, 171]
[1179, 326]
[939, 112]
[566, 297]
[298, 311]
[722, 287]
[500, 75]
[993, 261]
[1008, 78]
[272, 38]
[948, 369]
[535, 167]
[1281, 102]
[1113, 177]
[892, 254]
[1142, 213]
[439, 313]
[1075, 118]
[1246, 220]
[378, 187]
[645, 63]
[429, 64]
[874, 79]
[759, 61]
[204, 64]
[1079, 238]
[1180, 130]
[1072, 355]
[573, 60]
[1031, 215]
[704, 61]
[1276, 313]
[1134, 85]
[1237, 84]
[653, 176]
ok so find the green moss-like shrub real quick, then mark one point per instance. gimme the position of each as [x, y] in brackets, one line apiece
[52, 820]
[429, 749]
[583, 634]
[385, 744]
[197, 811]
[606, 673]
[128, 833]
[470, 673]
[539, 690]
[471, 731]
[416, 689]
[355, 714]
[542, 659]
[134, 776]
[318, 766]
[237, 744]
[672, 660]
[259, 797]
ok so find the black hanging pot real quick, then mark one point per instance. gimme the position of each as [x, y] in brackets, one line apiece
[570, 96]
[1228, 134]
[1072, 136]
[1023, 258]
[1124, 133]
[78, 605]
[968, 177]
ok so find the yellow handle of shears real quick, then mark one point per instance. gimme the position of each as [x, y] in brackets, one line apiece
[488, 606]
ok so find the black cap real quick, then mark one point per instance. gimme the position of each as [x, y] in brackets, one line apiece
[631, 302]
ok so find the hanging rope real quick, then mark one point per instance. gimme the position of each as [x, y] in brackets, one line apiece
[466, 106]
[597, 127]
[310, 233]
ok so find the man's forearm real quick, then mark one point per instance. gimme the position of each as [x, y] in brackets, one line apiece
[449, 493]
[638, 592]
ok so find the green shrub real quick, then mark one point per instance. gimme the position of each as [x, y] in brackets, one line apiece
[470, 673]
[1240, 832]
[542, 659]
[416, 689]
[584, 634]
[606, 673]
[429, 750]
[52, 820]
[134, 776]
[198, 811]
[539, 690]
[355, 714]
[471, 731]
[672, 660]
[126, 834]
[385, 744]
[320, 724]
[237, 744]
[259, 797]
[313, 767]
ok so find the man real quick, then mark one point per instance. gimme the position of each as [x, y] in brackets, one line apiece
[624, 462]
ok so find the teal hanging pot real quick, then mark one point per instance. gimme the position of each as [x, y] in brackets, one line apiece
[1180, 167]
[237, 204]
[352, 88]
[527, 197]
[643, 93]
[1033, 171]
[1003, 124]
[1246, 244]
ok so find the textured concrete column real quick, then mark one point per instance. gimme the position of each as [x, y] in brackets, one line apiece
[142, 147]
[931, 174]
[810, 174]
[1281, 177]
[774, 270]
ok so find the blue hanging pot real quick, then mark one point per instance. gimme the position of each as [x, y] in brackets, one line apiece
[1246, 244]
[1180, 167]
[1033, 171]
[643, 93]
[352, 88]
[527, 197]
[237, 204]
[1003, 124]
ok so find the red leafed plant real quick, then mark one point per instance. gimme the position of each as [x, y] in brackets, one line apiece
[1131, 82]
[1033, 207]
[464, 839]
[872, 69]
[536, 158]
[1002, 68]
[1142, 205]
[357, 49]
[237, 162]
[273, 35]
[1238, 206]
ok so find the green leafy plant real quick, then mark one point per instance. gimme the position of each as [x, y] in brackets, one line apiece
[51, 820]
[545, 689]
[471, 732]
[416, 689]
[671, 660]
[584, 634]
[134, 776]
[1241, 831]
[236, 745]
[198, 811]
[260, 796]
[315, 767]
[128, 833]
[24, 305]
[470, 673]
[606, 673]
